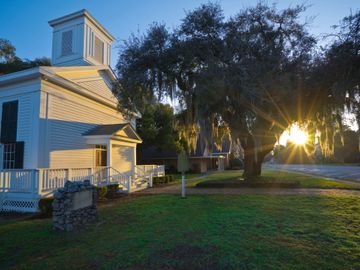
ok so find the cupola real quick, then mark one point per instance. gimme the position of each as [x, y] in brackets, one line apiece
[80, 40]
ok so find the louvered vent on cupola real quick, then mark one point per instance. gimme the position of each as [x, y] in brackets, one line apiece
[99, 50]
[66, 43]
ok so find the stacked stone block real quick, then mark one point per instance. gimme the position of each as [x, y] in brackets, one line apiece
[74, 205]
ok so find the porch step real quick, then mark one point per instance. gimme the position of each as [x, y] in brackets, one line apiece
[140, 185]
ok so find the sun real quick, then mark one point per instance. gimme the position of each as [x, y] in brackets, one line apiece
[297, 135]
[294, 134]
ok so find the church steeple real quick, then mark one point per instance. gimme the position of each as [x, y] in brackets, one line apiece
[80, 40]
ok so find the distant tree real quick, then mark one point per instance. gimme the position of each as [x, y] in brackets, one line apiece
[9, 62]
[18, 64]
[333, 87]
[7, 51]
[158, 127]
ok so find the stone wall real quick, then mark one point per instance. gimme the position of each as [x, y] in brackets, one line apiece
[74, 205]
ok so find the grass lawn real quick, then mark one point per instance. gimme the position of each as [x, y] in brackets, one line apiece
[200, 232]
[188, 176]
[305, 181]
[218, 176]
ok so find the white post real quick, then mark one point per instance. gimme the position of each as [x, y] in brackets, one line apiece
[151, 179]
[129, 184]
[37, 179]
[2, 180]
[108, 175]
[69, 174]
[91, 176]
[182, 185]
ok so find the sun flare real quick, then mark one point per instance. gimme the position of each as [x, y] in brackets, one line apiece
[298, 135]
[295, 134]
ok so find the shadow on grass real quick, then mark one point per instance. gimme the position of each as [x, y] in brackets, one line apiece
[259, 182]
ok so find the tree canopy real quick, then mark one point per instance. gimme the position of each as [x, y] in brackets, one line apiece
[253, 75]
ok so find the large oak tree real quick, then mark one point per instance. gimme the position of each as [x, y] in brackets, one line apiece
[255, 73]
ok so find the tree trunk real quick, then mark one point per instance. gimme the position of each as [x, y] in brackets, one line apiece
[254, 154]
[252, 163]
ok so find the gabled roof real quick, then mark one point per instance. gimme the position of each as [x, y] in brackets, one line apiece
[121, 131]
[105, 129]
[94, 82]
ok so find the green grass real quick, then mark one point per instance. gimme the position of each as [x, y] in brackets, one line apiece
[200, 232]
[305, 181]
[218, 176]
[188, 176]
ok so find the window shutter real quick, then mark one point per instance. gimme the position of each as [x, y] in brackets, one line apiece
[9, 121]
[19, 155]
[66, 43]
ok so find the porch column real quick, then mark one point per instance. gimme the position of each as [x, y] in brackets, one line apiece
[134, 162]
[109, 153]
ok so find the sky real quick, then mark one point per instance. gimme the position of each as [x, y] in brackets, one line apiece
[25, 23]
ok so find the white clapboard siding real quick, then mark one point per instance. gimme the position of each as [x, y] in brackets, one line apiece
[123, 158]
[98, 87]
[69, 116]
[26, 94]
[97, 82]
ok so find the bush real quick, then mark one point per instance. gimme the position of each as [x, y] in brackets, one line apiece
[45, 206]
[112, 190]
[158, 180]
[101, 192]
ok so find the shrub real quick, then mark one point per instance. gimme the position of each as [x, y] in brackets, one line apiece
[172, 178]
[101, 192]
[112, 190]
[157, 180]
[45, 206]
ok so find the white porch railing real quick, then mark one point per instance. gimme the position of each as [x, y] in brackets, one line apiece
[145, 174]
[44, 181]
[18, 181]
[108, 175]
[146, 170]
[20, 190]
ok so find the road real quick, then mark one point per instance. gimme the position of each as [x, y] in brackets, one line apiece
[328, 171]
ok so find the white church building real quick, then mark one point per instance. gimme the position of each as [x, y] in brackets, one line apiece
[61, 122]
